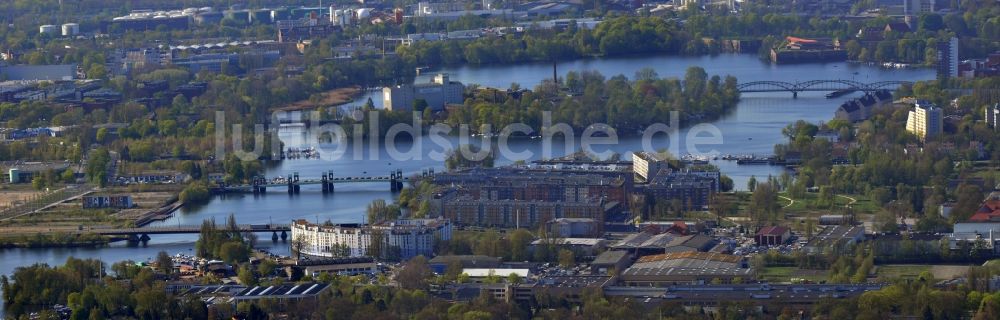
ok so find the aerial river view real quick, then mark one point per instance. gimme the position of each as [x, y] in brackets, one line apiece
[752, 128]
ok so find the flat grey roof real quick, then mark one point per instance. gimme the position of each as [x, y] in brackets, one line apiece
[610, 257]
[39, 72]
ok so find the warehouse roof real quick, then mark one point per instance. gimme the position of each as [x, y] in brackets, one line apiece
[688, 263]
[486, 272]
[610, 257]
[284, 291]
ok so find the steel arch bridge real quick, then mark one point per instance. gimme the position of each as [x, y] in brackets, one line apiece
[817, 85]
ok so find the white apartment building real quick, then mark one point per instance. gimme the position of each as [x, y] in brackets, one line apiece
[925, 120]
[647, 164]
[437, 93]
[412, 237]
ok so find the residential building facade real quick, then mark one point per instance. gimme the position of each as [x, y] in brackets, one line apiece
[647, 164]
[437, 93]
[518, 213]
[947, 59]
[993, 116]
[407, 237]
[691, 189]
[925, 120]
[857, 110]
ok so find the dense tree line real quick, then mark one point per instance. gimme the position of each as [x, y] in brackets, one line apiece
[623, 104]
[226, 243]
[82, 285]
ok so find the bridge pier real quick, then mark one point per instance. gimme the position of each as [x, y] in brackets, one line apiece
[324, 183]
[396, 181]
[392, 181]
[274, 236]
[293, 184]
[795, 94]
[144, 239]
[296, 182]
[329, 181]
[284, 235]
[259, 185]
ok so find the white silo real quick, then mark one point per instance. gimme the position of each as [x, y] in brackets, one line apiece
[338, 17]
[364, 13]
[70, 29]
[48, 29]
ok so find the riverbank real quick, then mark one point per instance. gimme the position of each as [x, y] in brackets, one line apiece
[331, 98]
[54, 240]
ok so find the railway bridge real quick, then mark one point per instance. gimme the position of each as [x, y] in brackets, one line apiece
[817, 85]
[293, 183]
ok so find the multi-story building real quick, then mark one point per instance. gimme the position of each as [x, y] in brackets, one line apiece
[647, 164]
[692, 189]
[403, 239]
[925, 120]
[980, 68]
[574, 227]
[916, 7]
[125, 62]
[947, 59]
[541, 183]
[993, 116]
[532, 195]
[306, 28]
[219, 62]
[437, 93]
[518, 213]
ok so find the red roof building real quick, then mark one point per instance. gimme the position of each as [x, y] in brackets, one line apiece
[989, 212]
[774, 235]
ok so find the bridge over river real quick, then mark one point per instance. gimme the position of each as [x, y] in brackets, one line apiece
[142, 234]
[327, 180]
[817, 85]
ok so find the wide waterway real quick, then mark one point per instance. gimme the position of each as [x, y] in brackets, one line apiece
[753, 128]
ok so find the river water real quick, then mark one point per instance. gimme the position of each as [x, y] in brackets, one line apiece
[754, 127]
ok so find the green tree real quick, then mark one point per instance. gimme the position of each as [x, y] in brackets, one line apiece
[233, 251]
[68, 176]
[520, 239]
[38, 183]
[246, 276]
[102, 135]
[195, 192]
[513, 278]
[414, 274]
[567, 258]
[164, 263]
[266, 267]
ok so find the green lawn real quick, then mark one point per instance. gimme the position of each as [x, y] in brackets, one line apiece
[993, 263]
[786, 274]
[901, 271]
[806, 206]
[986, 174]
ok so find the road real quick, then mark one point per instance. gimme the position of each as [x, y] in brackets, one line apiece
[849, 204]
[790, 201]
